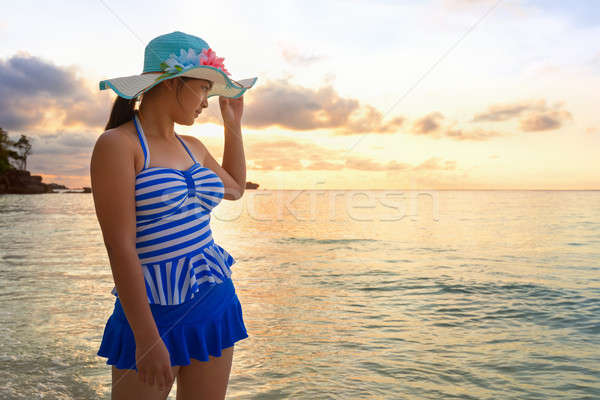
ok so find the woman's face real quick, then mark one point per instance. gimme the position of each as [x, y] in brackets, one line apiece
[192, 96]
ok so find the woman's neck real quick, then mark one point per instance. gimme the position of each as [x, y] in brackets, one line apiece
[155, 121]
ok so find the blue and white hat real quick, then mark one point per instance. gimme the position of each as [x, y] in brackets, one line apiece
[177, 55]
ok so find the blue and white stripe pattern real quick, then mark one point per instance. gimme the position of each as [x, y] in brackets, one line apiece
[174, 240]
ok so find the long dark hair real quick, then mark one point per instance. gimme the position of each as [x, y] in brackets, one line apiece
[122, 111]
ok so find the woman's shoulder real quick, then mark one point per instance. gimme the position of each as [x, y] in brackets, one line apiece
[119, 144]
[119, 136]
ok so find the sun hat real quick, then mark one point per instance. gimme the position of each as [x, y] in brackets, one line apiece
[175, 55]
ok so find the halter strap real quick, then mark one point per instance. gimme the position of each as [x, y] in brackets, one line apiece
[187, 149]
[146, 149]
[143, 142]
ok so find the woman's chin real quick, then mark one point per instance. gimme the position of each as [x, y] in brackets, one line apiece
[187, 122]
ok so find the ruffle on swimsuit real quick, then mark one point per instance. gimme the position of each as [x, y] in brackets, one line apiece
[196, 329]
[174, 240]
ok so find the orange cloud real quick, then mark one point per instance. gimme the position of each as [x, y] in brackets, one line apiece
[544, 120]
[428, 124]
[532, 116]
[292, 155]
[299, 108]
[435, 164]
[367, 164]
[473, 135]
[431, 125]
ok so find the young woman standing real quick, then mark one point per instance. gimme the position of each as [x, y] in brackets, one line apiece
[176, 314]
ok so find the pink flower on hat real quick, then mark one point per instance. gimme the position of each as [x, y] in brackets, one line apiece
[209, 57]
[189, 59]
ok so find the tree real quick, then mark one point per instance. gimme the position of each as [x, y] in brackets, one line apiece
[23, 149]
[5, 151]
[13, 153]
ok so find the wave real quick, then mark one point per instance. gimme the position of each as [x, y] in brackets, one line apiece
[313, 241]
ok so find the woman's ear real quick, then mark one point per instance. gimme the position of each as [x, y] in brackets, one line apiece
[169, 84]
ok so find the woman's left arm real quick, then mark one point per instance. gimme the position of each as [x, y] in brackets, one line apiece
[232, 170]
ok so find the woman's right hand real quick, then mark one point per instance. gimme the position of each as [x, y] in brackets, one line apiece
[154, 364]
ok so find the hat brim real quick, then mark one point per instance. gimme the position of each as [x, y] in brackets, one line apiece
[130, 87]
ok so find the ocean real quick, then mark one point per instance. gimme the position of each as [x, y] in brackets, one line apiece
[346, 295]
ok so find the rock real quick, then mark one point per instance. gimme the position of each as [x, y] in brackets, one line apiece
[3, 183]
[82, 190]
[252, 185]
[16, 181]
[56, 186]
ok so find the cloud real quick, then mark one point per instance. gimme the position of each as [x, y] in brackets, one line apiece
[292, 148]
[63, 157]
[300, 57]
[299, 108]
[64, 143]
[543, 121]
[532, 116]
[295, 155]
[363, 164]
[291, 155]
[476, 134]
[368, 164]
[435, 164]
[432, 125]
[502, 112]
[324, 166]
[428, 124]
[37, 93]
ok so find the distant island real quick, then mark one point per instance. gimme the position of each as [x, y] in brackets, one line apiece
[16, 181]
[14, 177]
[252, 185]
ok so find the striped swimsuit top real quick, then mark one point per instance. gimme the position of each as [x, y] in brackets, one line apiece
[174, 241]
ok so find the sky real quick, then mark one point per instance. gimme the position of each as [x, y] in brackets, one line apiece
[373, 94]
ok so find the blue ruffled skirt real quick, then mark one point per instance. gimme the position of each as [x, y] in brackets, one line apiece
[197, 328]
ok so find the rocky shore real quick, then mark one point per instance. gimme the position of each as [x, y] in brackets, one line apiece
[15, 181]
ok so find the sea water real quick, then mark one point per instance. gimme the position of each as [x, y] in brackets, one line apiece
[346, 294]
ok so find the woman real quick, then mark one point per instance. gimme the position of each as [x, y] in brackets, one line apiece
[176, 315]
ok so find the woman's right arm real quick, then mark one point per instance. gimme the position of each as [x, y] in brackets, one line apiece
[112, 172]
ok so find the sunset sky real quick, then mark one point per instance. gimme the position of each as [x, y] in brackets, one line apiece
[377, 94]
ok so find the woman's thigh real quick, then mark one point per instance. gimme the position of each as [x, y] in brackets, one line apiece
[205, 380]
[126, 385]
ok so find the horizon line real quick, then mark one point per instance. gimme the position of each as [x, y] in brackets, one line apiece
[411, 189]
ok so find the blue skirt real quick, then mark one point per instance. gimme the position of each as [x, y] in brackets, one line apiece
[198, 328]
